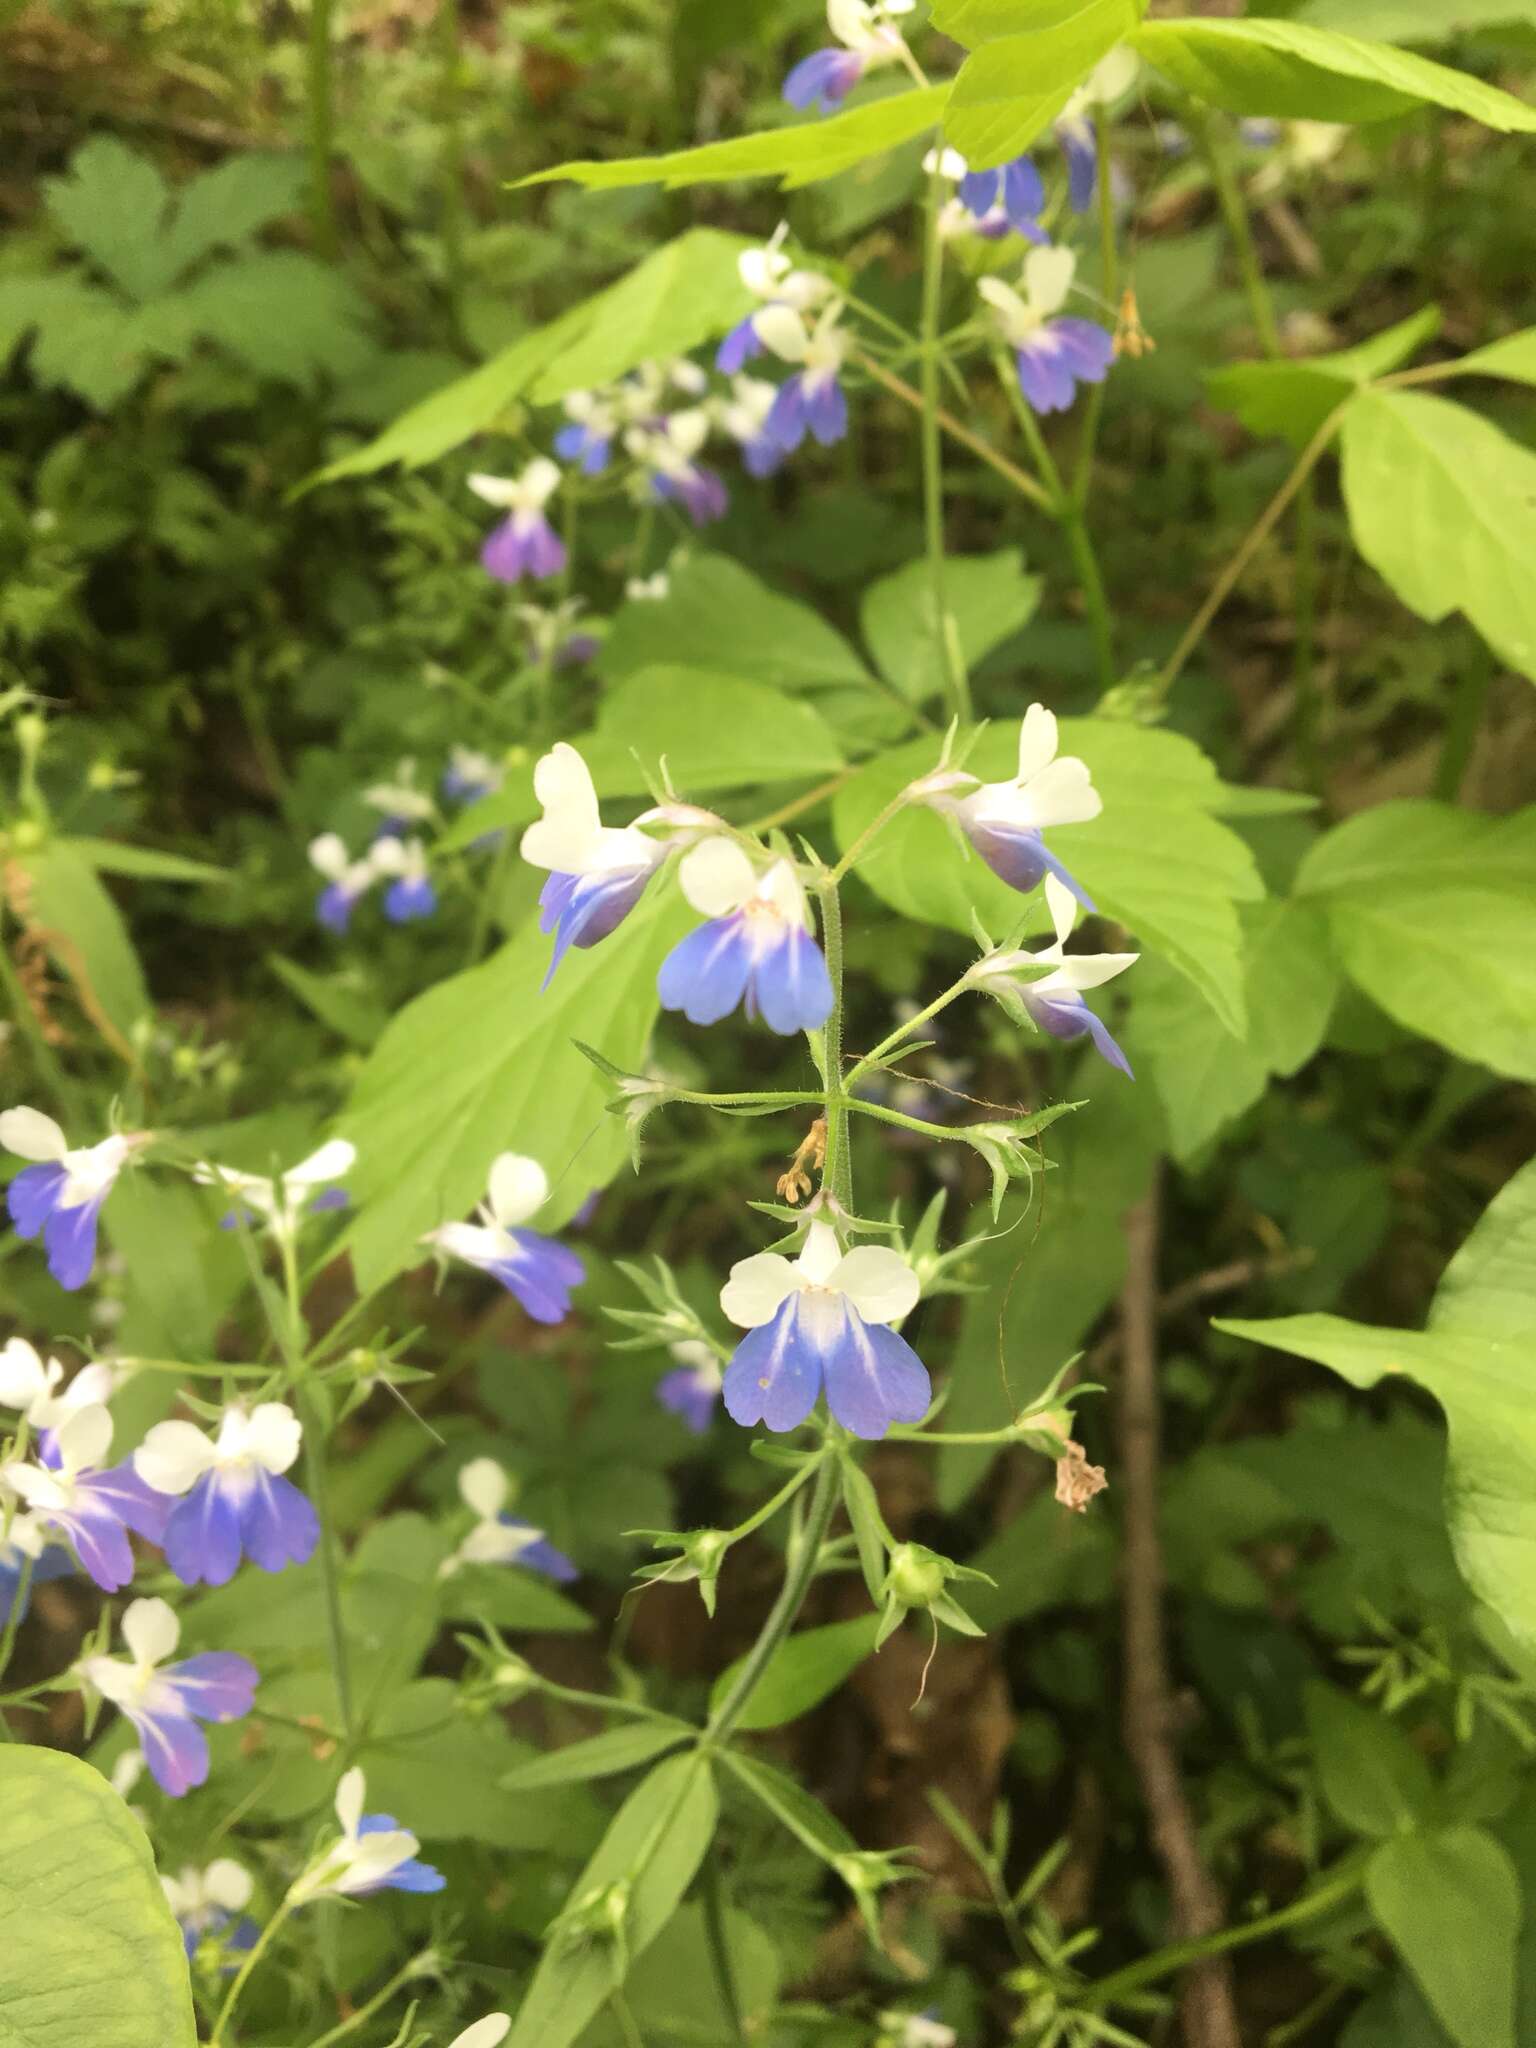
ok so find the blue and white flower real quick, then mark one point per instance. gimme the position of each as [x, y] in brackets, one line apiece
[1004, 821]
[166, 1704]
[1076, 132]
[410, 893]
[745, 416]
[232, 1500]
[588, 438]
[648, 589]
[866, 39]
[401, 802]
[25, 1554]
[37, 1390]
[60, 1196]
[347, 881]
[525, 544]
[956, 219]
[487, 2033]
[597, 872]
[374, 1854]
[1054, 1002]
[209, 1905]
[1009, 196]
[497, 1537]
[667, 451]
[539, 1271]
[914, 2030]
[756, 951]
[811, 401]
[471, 775]
[824, 1321]
[72, 1491]
[554, 640]
[1053, 354]
[691, 1390]
[771, 277]
[282, 1202]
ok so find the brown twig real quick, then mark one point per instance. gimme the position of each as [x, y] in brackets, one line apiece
[1208, 2014]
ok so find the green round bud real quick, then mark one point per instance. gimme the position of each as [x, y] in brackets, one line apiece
[916, 1576]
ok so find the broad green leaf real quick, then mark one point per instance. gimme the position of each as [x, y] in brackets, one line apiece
[981, 21]
[1414, 21]
[1292, 399]
[1451, 1903]
[715, 606]
[117, 857]
[789, 1802]
[334, 998]
[1478, 1359]
[1292, 981]
[89, 1951]
[70, 910]
[801, 1672]
[623, 1748]
[1513, 356]
[86, 339]
[111, 204]
[283, 314]
[1009, 91]
[674, 1990]
[714, 731]
[485, 1063]
[684, 293]
[797, 155]
[1371, 1774]
[1156, 859]
[1205, 1076]
[989, 597]
[1287, 68]
[180, 1275]
[1443, 506]
[1429, 910]
[654, 1845]
[520, 1600]
[1042, 1559]
[225, 206]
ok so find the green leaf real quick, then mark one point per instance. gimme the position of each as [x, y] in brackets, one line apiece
[714, 731]
[599, 1756]
[117, 857]
[1287, 68]
[1514, 357]
[1010, 90]
[1451, 1903]
[713, 604]
[85, 934]
[1205, 1076]
[223, 207]
[1292, 399]
[800, 154]
[654, 1844]
[1292, 981]
[981, 21]
[80, 1883]
[1156, 859]
[1414, 21]
[83, 339]
[789, 1803]
[1476, 1358]
[283, 314]
[989, 596]
[484, 1062]
[512, 1599]
[801, 1671]
[1429, 910]
[349, 1011]
[684, 293]
[1371, 1774]
[111, 204]
[1443, 506]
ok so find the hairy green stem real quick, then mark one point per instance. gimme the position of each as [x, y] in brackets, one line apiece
[400, 1979]
[1234, 210]
[892, 1039]
[19, 1596]
[717, 1937]
[951, 658]
[316, 1482]
[232, 1997]
[837, 1168]
[1109, 273]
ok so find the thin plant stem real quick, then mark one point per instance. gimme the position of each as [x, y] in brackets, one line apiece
[837, 1168]
[717, 1938]
[957, 430]
[232, 1997]
[322, 121]
[380, 1998]
[1257, 534]
[1229, 196]
[950, 654]
[804, 1553]
[1462, 723]
[316, 1481]
[871, 831]
[905, 1029]
[1304, 660]
[20, 1593]
[452, 161]
[1109, 271]
[619, 2006]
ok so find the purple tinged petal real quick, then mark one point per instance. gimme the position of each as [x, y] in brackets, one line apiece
[175, 1749]
[540, 1276]
[100, 1544]
[689, 1396]
[1021, 858]
[70, 1235]
[333, 908]
[706, 974]
[826, 411]
[823, 80]
[278, 1526]
[541, 1555]
[977, 192]
[219, 1685]
[775, 1373]
[786, 422]
[1087, 349]
[135, 1503]
[740, 347]
[34, 1195]
[202, 1534]
[1023, 195]
[875, 1378]
[582, 909]
[411, 896]
[791, 985]
[1080, 148]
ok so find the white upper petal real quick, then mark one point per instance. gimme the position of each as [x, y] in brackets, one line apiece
[1017, 319]
[474, 1243]
[1089, 970]
[761, 269]
[1113, 74]
[31, 1135]
[501, 491]
[373, 1857]
[483, 1485]
[227, 1884]
[273, 1436]
[878, 1281]
[561, 840]
[716, 877]
[334, 1158]
[540, 480]
[174, 1456]
[819, 1255]
[1037, 741]
[23, 1376]
[350, 1794]
[1048, 274]
[84, 1439]
[151, 1631]
[1062, 905]
[781, 330]
[758, 1288]
[518, 1187]
[781, 888]
[851, 21]
[1063, 793]
[329, 854]
[486, 2033]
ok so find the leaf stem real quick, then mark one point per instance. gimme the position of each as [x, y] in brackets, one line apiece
[315, 1480]
[322, 116]
[1021, 480]
[712, 1892]
[232, 1996]
[837, 1168]
[951, 657]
